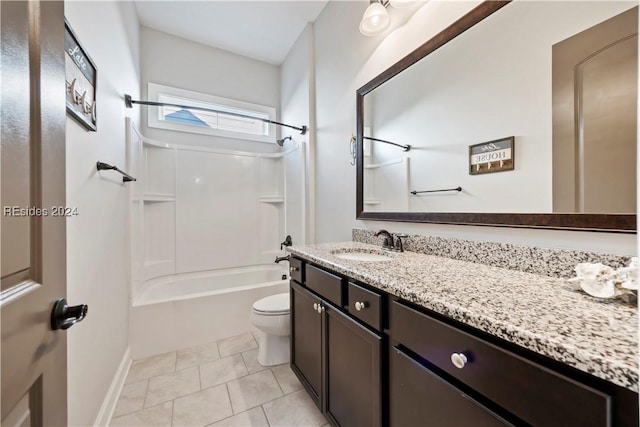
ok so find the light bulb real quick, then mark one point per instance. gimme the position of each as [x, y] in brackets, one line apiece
[375, 20]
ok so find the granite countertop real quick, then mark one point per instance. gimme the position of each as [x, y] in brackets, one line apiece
[540, 313]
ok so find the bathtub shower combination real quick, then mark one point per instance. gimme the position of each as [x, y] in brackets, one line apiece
[205, 228]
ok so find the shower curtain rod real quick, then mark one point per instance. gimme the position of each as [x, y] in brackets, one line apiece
[404, 147]
[129, 103]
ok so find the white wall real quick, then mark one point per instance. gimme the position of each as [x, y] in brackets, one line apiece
[297, 100]
[97, 240]
[346, 60]
[173, 61]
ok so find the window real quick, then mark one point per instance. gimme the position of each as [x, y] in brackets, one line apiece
[231, 118]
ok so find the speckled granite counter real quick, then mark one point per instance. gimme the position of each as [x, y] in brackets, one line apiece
[536, 312]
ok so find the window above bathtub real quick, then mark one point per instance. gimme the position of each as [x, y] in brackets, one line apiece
[243, 122]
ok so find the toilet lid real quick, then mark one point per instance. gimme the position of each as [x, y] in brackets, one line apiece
[273, 304]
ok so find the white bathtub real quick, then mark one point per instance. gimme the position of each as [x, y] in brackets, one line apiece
[174, 312]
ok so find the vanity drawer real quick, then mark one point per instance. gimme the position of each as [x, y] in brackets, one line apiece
[365, 305]
[535, 394]
[325, 284]
[296, 270]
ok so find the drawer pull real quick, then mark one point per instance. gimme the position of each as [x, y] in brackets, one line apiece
[293, 269]
[458, 360]
[361, 305]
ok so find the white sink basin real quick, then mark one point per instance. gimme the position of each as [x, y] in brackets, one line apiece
[362, 256]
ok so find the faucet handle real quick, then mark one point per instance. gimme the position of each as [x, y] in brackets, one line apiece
[398, 241]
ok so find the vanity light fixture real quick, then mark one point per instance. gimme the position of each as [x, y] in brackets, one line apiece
[375, 19]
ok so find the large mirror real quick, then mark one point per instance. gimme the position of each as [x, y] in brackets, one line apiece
[523, 115]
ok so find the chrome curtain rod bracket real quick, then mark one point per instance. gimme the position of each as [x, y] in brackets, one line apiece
[106, 166]
[436, 191]
[404, 147]
[128, 101]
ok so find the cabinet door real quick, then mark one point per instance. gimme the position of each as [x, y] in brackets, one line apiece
[306, 340]
[353, 372]
[419, 397]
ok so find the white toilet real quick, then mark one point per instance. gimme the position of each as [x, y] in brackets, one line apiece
[271, 316]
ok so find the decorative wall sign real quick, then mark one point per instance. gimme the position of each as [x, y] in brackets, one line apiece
[492, 156]
[81, 77]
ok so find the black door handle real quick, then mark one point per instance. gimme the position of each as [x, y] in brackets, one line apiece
[64, 316]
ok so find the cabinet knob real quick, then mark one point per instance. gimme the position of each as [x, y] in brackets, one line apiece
[361, 305]
[320, 308]
[316, 306]
[459, 360]
[292, 269]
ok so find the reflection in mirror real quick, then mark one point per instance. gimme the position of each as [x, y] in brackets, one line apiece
[545, 73]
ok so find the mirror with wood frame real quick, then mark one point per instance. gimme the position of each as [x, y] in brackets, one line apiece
[517, 116]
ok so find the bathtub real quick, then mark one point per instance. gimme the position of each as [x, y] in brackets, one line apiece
[173, 312]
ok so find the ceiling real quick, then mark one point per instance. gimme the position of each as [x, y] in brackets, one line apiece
[263, 30]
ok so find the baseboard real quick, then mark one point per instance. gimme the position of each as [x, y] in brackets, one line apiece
[111, 399]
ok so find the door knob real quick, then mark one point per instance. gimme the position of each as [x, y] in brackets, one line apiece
[64, 316]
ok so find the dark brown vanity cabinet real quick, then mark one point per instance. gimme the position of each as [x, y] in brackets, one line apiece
[307, 340]
[353, 372]
[337, 359]
[468, 369]
[420, 397]
[371, 359]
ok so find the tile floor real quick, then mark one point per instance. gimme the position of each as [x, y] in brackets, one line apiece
[214, 384]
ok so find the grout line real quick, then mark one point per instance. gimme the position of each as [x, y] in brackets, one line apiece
[277, 382]
[146, 393]
[244, 360]
[173, 403]
[140, 410]
[199, 378]
[265, 415]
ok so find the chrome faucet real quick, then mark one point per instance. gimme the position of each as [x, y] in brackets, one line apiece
[388, 239]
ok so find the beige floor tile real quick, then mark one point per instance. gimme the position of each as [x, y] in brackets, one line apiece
[202, 408]
[221, 371]
[197, 355]
[286, 378]
[253, 390]
[237, 344]
[257, 335]
[295, 409]
[156, 416]
[251, 360]
[173, 385]
[151, 367]
[131, 398]
[252, 418]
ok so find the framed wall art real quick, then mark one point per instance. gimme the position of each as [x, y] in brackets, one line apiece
[491, 156]
[81, 78]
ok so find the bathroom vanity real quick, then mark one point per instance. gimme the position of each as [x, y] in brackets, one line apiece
[407, 339]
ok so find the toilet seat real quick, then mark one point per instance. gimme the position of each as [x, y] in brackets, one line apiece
[274, 305]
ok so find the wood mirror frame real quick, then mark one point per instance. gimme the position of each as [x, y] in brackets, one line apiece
[619, 223]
